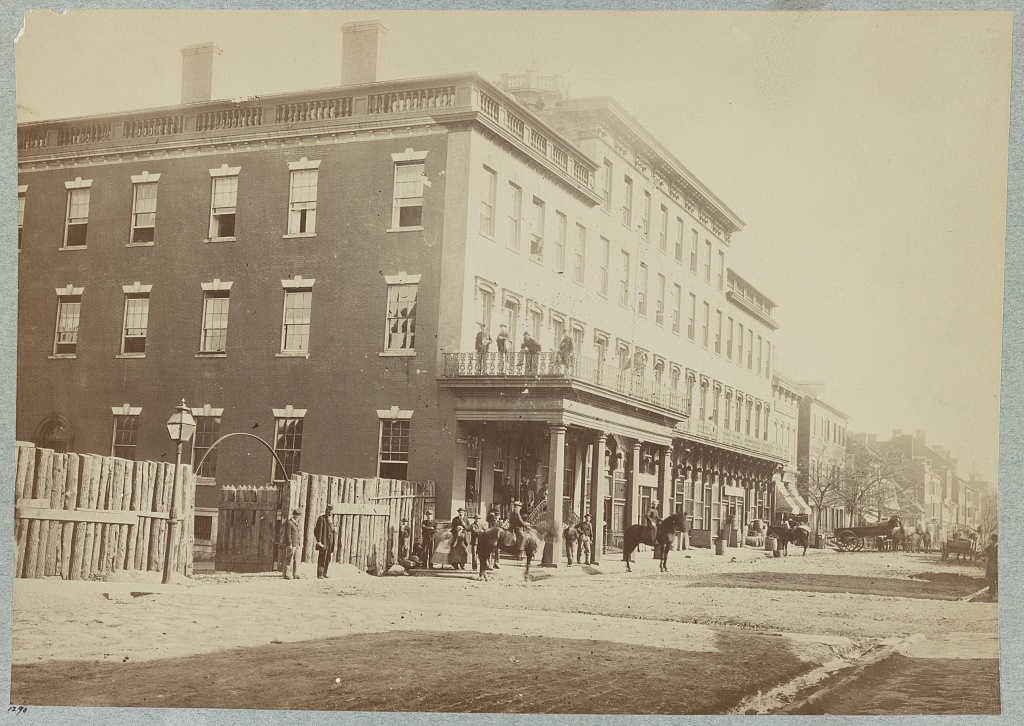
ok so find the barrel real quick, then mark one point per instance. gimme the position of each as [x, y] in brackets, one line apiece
[720, 545]
[771, 544]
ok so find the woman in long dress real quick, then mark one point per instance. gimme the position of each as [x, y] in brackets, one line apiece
[459, 552]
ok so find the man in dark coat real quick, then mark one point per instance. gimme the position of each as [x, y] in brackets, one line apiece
[482, 346]
[475, 530]
[516, 523]
[992, 566]
[565, 350]
[532, 349]
[427, 529]
[653, 519]
[323, 532]
[504, 344]
[494, 520]
[584, 555]
[459, 520]
[290, 539]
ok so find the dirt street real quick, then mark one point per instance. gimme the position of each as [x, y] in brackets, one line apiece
[571, 640]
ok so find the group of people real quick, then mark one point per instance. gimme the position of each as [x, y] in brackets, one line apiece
[465, 532]
[324, 532]
[530, 348]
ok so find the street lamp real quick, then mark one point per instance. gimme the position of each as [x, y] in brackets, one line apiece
[180, 426]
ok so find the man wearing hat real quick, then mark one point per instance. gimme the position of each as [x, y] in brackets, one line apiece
[586, 532]
[324, 534]
[404, 535]
[475, 530]
[516, 523]
[653, 518]
[459, 520]
[504, 344]
[427, 530]
[483, 346]
[290, 541]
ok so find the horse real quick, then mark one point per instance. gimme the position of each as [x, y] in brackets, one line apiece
[498, 539]
[637, 534]
[798, 535]
[926, 541]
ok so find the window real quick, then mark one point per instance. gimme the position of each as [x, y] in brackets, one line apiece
[76, 224]
[760, 353]
[659, 310]
[560, 240]
[624, 281]
[691, 327]
[202, 527]
[676, 375]
[646, 223]
[608, 181]
[407, 210]
[287, 443]
[579, 259]
[486, 307]
[537, 231]
[721, 270]
[601, 346]
[718, 332]
[707, 323]
[298, 304]
[577, 336]
[490, 195]
[681, 231]
[223, 204]
[768, 359]
[728, 345]
[302, 199]
[136, 323]
[401, 317]
[641, 290]
[693, 253]
[22, 190]
[739, 344]
[557, 330]
[126, 432]
[677, 309]
[69, 310]
[393, 462]
[663, 230]
[536, 316]
[606, 253]
[207, 432]
[515, 216]
[707, 262]
[750, 349]
[627, 203]
[215, 321]
[512, 318]
[143, 213]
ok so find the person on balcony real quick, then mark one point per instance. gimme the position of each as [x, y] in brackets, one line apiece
[565, 349]
[532, 348]
[504, 344]
[483, 347]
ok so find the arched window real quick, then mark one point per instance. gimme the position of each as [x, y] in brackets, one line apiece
[55, 432]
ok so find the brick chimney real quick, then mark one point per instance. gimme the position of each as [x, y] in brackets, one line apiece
[362, 51]
[197, 72]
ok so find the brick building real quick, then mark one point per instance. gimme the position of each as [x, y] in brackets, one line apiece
[314, 267]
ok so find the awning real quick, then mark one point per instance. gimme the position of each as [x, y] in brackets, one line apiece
[784, 501]
[804, 507]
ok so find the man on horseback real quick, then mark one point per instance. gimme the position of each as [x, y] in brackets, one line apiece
[516, 523]
[653, 519]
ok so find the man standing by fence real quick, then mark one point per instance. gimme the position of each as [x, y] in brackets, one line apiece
[324, 534]
[290, 541]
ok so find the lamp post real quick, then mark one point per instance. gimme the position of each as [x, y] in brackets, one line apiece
[180, 426]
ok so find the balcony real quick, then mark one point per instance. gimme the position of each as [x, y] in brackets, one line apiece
[505, 369]
[454, 98]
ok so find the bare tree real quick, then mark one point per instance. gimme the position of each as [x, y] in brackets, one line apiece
[875, 482]
[822, 477]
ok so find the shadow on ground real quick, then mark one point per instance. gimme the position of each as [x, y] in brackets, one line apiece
[931, 586]
[429, 671]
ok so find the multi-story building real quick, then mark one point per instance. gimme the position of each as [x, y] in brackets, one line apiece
[786, 399]
[314, 267]
[821, 458]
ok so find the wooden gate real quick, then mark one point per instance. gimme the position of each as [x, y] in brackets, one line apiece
[248, 529]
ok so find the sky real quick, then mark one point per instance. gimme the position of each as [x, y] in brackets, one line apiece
[866, 152]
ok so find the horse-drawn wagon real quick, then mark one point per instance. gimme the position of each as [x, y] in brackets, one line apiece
[961, 548]
[854, 539]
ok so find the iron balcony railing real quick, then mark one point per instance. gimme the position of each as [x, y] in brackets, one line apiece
[576, 368]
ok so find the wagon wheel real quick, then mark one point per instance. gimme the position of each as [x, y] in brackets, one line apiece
[847, 540]
[860, 544]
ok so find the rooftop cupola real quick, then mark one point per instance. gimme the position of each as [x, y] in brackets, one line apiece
[534, 90]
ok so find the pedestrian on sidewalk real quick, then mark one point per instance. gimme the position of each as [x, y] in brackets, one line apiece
[585, 530]
[992, 565]
[459, 520]
[324, 533]
[290, 540]
[494, 520]
[459, 552]
[404, 534]
[475, 530]
[428, 528]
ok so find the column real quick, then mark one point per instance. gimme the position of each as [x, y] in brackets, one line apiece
[632, 489]
[664, 477]
[556, 467]
[597, 495]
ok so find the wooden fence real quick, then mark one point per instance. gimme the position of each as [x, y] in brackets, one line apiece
[80, 515]
[366, 513]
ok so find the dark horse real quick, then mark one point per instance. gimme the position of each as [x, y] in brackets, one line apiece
[799, 535]
[496, 539]
[638, 534]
